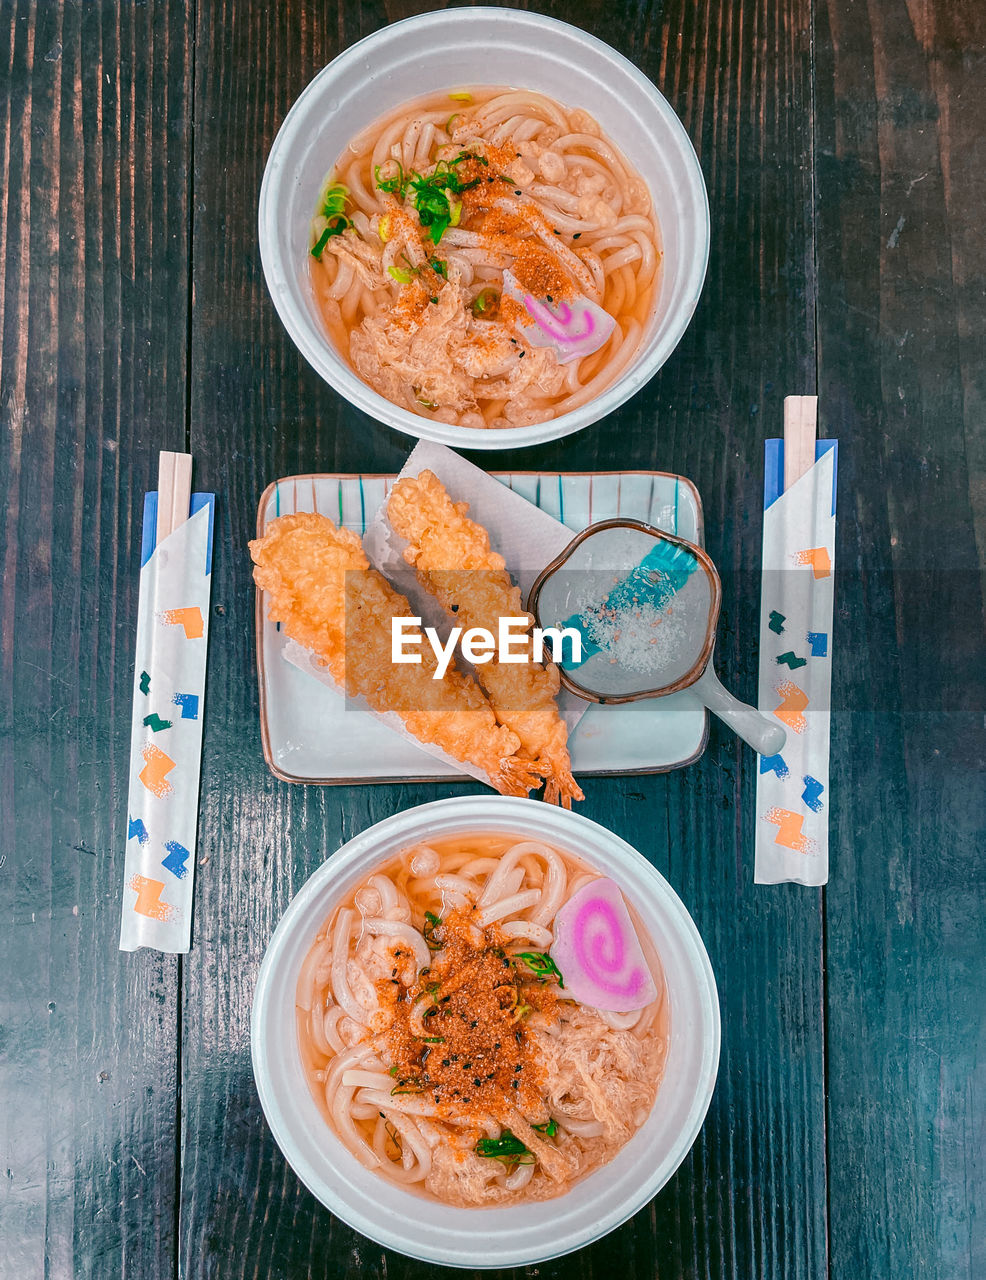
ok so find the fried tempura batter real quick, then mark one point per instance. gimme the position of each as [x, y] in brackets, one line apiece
[325, 595]
[455, 563]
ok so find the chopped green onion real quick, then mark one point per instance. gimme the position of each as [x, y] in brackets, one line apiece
[396, 185]
[406, 1086]
[331, 219]
[549, 1130]
[321, 242]
[399, 274]
[329, 230]
[486, 303]
[506, 1148]
[431, 920]
[448, 123]
[332, 199]
[541, 964]
[461, 97]
[433, 196]
[433, 1039]
[392, 1071]
[428, 404]
[440, 267]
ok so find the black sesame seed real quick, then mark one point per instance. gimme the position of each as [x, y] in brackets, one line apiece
[477, 1082]
[466, 1066]
[445, 1062]
[576, 236]
[521, 355]
[515, 1084]
[519, 1067]
[474, 1024]
[516, 192]
[549, 297]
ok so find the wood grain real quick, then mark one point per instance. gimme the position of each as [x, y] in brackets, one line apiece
[93, 292]
[840, 132]
[750, 1199]
[901, 260]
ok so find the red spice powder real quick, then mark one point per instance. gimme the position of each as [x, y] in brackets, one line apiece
[411, 304]
[537, 269]
[478, 1058]
[513, 312]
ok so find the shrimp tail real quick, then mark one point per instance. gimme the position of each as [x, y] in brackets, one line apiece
[517, 776]
[559, 787]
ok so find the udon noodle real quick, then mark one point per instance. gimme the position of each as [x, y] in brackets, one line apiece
[438, 1040]
[425, 211]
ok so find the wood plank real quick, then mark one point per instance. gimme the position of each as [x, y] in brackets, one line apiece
[93, 287]
[750, 1199]
[901, 178]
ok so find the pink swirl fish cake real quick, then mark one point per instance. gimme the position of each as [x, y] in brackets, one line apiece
[598, 952]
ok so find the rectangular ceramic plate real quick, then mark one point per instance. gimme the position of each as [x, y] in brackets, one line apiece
[311, 735]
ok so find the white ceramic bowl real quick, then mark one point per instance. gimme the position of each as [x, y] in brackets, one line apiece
[449, 49]
[422, 1227]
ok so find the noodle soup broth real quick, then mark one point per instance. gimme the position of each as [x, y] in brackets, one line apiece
[438, 1040]
[424, 213]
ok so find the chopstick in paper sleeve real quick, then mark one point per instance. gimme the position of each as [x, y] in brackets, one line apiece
[168, 706]
[796, 613]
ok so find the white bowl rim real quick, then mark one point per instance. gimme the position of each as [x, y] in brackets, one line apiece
[276, 264]
[508, 809]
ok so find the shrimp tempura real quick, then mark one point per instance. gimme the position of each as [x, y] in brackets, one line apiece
[325, 595]
[456, 565]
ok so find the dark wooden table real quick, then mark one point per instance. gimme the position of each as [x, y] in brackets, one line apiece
[844, 146]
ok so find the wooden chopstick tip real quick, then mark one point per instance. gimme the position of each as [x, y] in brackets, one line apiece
[174, 494]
